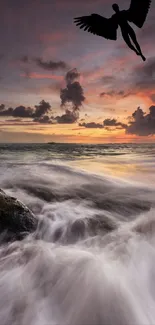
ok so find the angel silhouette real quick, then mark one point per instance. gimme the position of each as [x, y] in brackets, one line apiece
[107, 27]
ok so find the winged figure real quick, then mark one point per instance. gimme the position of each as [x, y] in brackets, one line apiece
[107, 27]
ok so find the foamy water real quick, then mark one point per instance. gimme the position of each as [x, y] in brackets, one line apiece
[92, 259]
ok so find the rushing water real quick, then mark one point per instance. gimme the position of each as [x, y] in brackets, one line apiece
[92, 259]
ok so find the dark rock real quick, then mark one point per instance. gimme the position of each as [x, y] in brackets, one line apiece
[78, 228]
[16, 220]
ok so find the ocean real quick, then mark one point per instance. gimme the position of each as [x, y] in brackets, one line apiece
[91, 260]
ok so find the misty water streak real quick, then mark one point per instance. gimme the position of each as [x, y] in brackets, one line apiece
[91, 260]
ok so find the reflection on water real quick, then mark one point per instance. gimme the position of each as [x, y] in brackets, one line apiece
[128, 161]
[127, 167]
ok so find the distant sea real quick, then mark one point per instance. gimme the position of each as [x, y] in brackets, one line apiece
[92, 259]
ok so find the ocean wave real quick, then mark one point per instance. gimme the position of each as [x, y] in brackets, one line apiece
[91, 260]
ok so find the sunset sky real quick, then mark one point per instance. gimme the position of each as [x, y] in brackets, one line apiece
[45, 60]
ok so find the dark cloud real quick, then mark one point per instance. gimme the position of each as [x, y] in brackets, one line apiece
[27, 64]
[19, 111]
[113, 93]
[107, 123]
[112, 82]
[92, 125]
[41, 109]
[2, 107]
[22, 111]
[103, 94]
[142, 124]
[72, 76]
[68, 118]
[114, 123]
[7, 112]
[38, 113]
[51, 65]
[73, 93]
[43, 119]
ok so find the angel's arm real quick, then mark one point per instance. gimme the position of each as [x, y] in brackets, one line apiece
[99, 25]
[138, 11]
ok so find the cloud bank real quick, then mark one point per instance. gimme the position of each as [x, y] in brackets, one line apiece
[142, 124]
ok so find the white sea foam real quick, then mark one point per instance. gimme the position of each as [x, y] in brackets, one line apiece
[92, 259]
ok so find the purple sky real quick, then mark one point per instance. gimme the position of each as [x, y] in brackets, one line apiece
[40, 44]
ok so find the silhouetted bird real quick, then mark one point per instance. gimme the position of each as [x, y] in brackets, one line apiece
[107, 27]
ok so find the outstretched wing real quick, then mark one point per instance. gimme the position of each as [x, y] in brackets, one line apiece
[138, 11]
[99, 25]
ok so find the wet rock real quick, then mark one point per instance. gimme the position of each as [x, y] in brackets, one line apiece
[16, 220]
